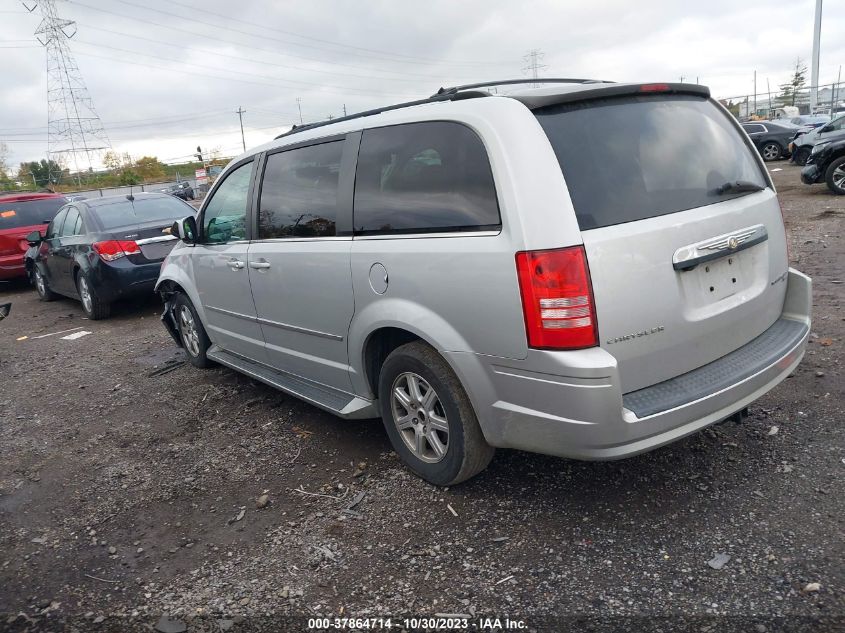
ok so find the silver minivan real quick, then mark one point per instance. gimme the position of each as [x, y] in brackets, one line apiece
[586, 269]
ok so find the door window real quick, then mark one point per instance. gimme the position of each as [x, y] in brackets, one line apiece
[224, 218]
[299, 192]
[754, 128]
[73, 223]
[56, 224]
[424, 177]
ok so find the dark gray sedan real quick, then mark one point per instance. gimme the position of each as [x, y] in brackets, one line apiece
[771, 139]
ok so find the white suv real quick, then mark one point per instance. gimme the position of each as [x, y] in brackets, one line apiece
[587, 269]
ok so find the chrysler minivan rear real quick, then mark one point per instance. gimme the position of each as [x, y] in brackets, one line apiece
[678, 309]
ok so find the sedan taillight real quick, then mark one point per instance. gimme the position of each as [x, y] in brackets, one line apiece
[111, 250]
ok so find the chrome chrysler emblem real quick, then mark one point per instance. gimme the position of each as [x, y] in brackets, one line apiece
[733, 243]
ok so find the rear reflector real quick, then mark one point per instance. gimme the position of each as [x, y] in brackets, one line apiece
[557, 298]
[115, 249]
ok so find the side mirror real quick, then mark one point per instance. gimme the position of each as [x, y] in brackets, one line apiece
[34, 238]
[185, 229]
[4, 310]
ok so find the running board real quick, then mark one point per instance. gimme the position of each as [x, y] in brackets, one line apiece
[332, 400]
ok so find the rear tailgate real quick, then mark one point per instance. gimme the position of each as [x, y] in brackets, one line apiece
[684, 271]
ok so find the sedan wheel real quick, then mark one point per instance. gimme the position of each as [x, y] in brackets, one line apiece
[44, 292]
[771, 151]
[85, 295]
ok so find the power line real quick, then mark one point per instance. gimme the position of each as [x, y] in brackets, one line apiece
[217, 37]
[405, 75]
[322, 86]
[381, 55]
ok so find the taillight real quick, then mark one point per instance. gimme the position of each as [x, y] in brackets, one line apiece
[557, 298]
[115, 249]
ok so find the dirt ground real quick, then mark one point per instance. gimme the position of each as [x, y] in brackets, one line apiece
[129, 480]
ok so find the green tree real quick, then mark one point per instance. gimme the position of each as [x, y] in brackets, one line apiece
[148, 168]
[43, 173]
[790, 90]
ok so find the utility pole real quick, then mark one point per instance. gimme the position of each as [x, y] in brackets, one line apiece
[299, 105]
[681, 78]
[769, 90]
[534, 58]
[344, 109]
[755, 92]
[241, 112]
[814, 72]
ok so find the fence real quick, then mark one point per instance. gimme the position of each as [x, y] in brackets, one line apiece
[199, 191]
[831, 98]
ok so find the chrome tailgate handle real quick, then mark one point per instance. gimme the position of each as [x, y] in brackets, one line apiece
[688, 257]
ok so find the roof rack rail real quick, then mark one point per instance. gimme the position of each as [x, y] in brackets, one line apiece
[510, 82]
[444, 94]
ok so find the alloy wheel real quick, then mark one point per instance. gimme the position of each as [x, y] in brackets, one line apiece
[419, 417]
[839, 177]
[188, 329]
[39, 283]
[85, 295]
[771, 151]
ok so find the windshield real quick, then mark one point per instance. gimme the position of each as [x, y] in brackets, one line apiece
[14, 215]
[627, 159]
[121, 213]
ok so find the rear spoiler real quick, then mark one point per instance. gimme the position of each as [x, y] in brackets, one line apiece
[603, 91]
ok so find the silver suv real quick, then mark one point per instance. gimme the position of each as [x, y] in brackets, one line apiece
[587, 269]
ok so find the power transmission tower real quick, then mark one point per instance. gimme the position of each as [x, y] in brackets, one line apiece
[75, 134]
[533, 59]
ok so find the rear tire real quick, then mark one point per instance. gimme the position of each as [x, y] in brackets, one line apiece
[94, 308]
[771, 151]
[41, 287]
[195, 341]
[835, 176]
[800, 156]
[429, 418]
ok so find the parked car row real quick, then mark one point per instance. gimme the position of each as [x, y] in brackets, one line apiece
[805, 139]
[105, 249]
[586, 269]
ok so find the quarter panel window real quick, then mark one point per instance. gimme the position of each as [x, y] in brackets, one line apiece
[72, 223]
[56, 224]
[224, 218]
[423, 177]
[299, 193]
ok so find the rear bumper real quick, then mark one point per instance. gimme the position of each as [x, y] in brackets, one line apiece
[122, 279]
[11, 266]
[570, 404]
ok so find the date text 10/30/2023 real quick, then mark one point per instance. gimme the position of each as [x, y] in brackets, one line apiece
[447, 623]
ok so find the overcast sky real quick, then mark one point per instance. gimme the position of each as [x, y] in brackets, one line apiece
[166, 76]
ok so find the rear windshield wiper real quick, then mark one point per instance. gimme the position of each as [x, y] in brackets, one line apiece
[738, 186]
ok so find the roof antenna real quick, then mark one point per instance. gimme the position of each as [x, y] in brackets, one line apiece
[130, 197]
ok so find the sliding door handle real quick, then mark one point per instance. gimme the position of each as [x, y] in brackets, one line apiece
[259, 265]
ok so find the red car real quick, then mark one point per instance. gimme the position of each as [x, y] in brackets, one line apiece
[20, 215]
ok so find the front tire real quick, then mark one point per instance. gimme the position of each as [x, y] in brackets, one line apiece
[194, 339]
[835, 176]
[800, 156]
[429, 418]
[94, 308]
[41, 287]
[771, 151]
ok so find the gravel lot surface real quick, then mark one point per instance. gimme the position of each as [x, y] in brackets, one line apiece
[133, 485]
